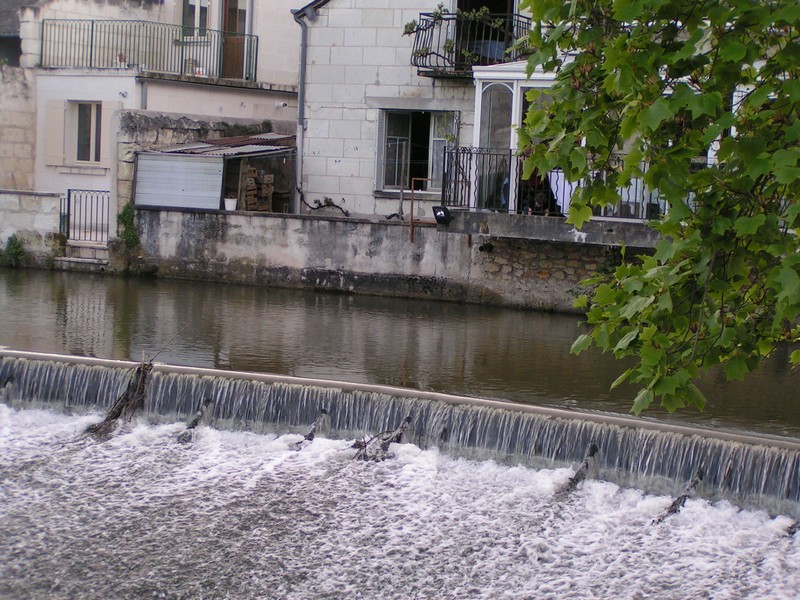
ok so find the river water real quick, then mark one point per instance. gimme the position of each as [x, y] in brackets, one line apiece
[243, 515]
[466, 350]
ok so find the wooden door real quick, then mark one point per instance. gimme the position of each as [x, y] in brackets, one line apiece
[233, 43]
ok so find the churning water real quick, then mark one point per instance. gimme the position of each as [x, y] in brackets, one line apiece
[242, 515]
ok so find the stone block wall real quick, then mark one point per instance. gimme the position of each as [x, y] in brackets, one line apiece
[540, 274]
[359, 62]
[33, 218]
[17, 129]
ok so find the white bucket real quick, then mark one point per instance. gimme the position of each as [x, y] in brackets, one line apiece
[230, 203]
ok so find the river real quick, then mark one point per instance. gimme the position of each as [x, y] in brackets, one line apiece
[448, 347]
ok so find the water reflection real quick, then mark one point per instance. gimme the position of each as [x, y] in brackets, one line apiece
[471, 350]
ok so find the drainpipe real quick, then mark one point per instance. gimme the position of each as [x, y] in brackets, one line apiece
[301, 106]
[248, 58]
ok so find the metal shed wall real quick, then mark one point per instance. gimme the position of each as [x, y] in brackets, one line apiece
[179, 181]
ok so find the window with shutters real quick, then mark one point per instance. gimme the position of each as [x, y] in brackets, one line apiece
[78, 133]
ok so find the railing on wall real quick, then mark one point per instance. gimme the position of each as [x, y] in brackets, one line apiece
[450, 44]
[148, 46]
[482, 178]
[84, 215]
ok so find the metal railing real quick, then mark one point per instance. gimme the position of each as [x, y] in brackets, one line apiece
[491, 179]
[148, 46]
[84, 215]
[450, 44]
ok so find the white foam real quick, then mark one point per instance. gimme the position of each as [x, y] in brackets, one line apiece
[240, 515]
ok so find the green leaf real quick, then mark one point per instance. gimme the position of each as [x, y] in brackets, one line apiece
[749, 225]
[581, 301]
[736, 369]
[636, 305]
[732, 50]
[621, 379]
[655, 114]
[790, 285]
[692, 395]
[794, 357]
[642, 401]
[787, 175]
[626, 340]
[578, 215]
[580, 344]
[651, 356]
[665, 302]
[627, 10]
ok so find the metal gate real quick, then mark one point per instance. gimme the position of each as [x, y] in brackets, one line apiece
[84, 215]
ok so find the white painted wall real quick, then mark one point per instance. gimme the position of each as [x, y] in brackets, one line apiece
[278, 41]
[219, 101]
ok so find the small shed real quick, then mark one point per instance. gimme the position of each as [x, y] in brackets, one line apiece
[252, 173]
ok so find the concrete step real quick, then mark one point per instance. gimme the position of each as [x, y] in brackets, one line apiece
[87, 250]
[88, 265]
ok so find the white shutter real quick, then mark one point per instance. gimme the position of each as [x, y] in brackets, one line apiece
[380, 150]
[108, 138]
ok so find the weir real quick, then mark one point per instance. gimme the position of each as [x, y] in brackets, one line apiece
[756, 471]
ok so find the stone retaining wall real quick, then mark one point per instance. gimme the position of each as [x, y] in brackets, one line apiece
[33, 218]
[366, 257]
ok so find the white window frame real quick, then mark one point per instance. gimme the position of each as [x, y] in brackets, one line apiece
[200, 21]
[95, 132]
[433, 183]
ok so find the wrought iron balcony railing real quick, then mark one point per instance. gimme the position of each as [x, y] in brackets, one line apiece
[148, 46]
[450, 44]
[491, 179]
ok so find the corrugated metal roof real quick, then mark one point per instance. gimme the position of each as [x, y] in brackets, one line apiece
[269, 139]
[204, 149]
[240, 150]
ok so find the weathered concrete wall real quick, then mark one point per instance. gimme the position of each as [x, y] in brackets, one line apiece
[366, 257]
[33, 218]
[17, 131]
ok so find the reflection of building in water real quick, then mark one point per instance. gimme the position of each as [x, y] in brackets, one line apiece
[85, 323]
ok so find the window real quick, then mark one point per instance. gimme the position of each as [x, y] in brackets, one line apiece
[78, 133]
[88, 131]
[412, 148]
[195, 17]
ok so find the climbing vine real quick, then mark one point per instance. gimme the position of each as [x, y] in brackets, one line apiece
[126, 220]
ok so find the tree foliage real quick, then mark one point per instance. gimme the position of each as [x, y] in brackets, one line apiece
[699, 99]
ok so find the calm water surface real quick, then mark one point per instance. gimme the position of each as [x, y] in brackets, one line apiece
[471, 350]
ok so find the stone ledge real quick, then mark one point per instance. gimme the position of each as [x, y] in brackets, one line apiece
[635, 234]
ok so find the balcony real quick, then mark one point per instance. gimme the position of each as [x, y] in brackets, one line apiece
[450, 44]
[148, 46]
[488, 179]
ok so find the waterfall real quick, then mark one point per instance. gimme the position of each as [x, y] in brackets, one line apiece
[750, 470]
